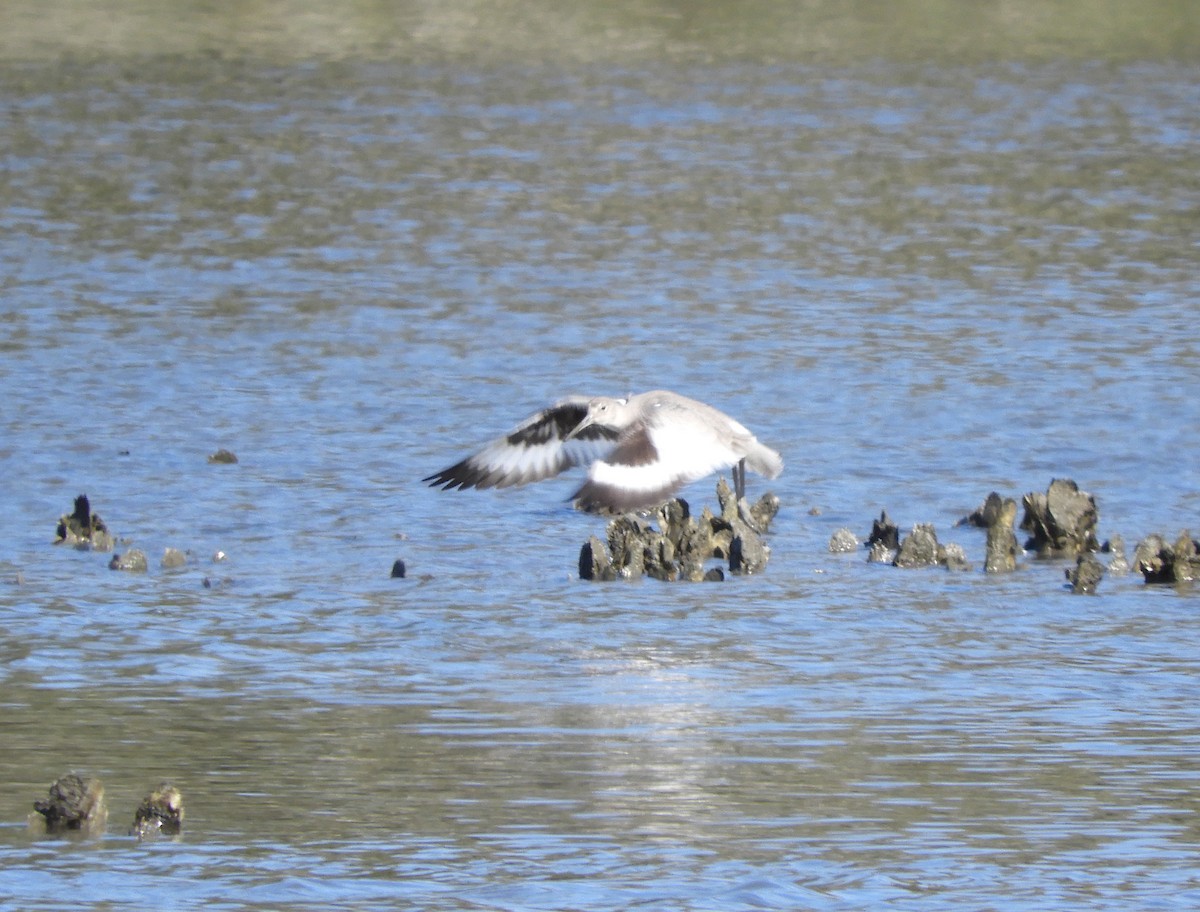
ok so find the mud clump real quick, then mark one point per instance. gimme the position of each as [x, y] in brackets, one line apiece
[681, 546]
[83, 529]
[74, 804]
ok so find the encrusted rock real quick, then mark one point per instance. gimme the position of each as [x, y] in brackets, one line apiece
[998, 515]
[1085, 576]
[879, 553]
[747, 553]
[159, 814]
[763, 511]
[919, 548]
[885, 533]
[953, 557]
[83, 529]
[1159, 562]
[1061, 522]
[173, 558]
[74, 804]
[133, 560]
[1118, 563]
[681, 546]
[594, 562]
[843, 541]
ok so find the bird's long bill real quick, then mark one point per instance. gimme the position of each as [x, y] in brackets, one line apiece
[587, 422]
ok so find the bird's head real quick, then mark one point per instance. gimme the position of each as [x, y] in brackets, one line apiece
[603, 411]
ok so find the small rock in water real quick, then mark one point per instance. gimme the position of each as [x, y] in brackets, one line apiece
[594, 562]
[843, 541]
[1118, 563]
[998, 514]
[83, 529]
[953, 557]
[747, 554]
[74, 804]
[762, 511]
[222, 457]
[880, 553]
[173, 558]
[1159, 562]
[1061, 522]
[919, 548]
[885, 533]
[159, 814]
[1085, 576]
[398, 569]
[133, 560]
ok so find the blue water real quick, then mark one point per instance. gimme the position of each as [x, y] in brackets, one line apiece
[919, 284]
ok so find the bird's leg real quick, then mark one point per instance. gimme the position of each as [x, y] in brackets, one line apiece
[739, 479]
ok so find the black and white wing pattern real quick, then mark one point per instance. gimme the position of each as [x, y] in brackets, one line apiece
[651, 462]
[535, 449]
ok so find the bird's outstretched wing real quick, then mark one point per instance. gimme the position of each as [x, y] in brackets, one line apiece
[535, 449]
[652, 460]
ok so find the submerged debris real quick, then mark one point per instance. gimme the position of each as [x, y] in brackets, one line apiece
[680, 547]
[75, 804]
[83, 529]
[222, 457]
[1061, 522]
[159, 814]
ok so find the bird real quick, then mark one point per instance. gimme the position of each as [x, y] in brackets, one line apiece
[639, 450]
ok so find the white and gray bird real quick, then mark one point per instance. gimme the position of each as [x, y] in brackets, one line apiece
[638, 451]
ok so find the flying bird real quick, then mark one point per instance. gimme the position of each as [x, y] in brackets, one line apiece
[638, 451]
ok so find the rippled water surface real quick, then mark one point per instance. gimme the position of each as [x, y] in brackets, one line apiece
[921, 278]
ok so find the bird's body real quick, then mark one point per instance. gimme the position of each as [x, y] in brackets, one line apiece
[639, 451]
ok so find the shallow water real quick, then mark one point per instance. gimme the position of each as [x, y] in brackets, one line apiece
[921, 278]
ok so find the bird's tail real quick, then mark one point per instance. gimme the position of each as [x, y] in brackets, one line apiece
[764, 460]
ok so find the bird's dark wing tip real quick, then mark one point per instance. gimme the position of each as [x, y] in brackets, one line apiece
[461, 475]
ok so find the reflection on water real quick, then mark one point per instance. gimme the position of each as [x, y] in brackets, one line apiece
[919, 282]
